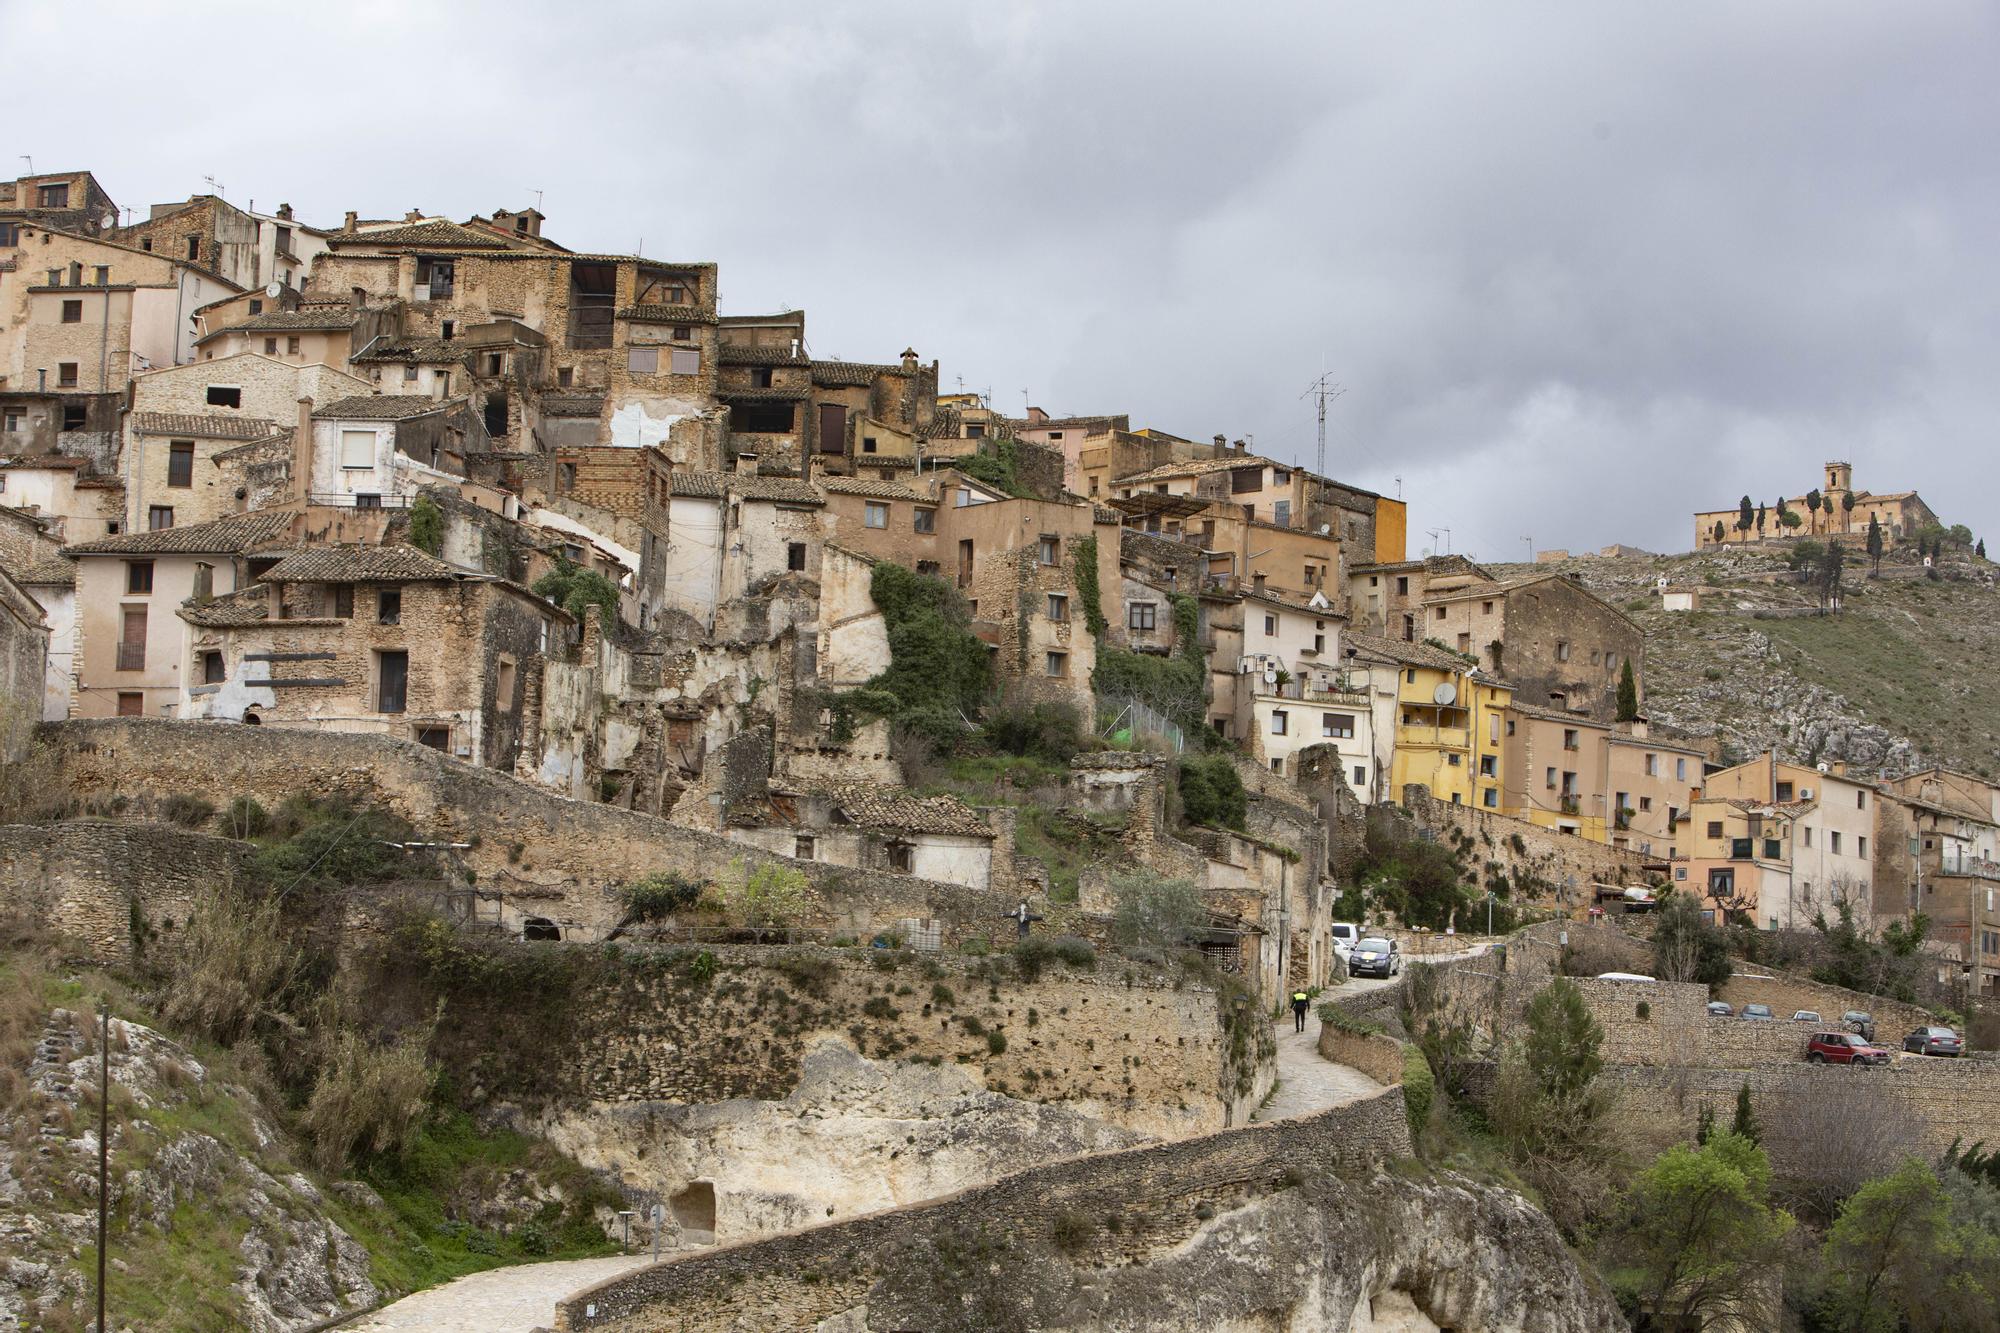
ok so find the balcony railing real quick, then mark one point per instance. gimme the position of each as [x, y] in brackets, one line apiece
[350, 500]
[131, 657]
[1571, 805]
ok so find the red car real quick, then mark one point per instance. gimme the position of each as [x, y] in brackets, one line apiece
[1843, 1048]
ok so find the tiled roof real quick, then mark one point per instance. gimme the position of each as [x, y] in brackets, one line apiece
[571, 404]
[57, 462]
[783, 490]
[200, 427]
[668, 314]
[245, 606]
[1099, 514]
[223, 536]
[850, 374]
[436, 232]
[873, 489]
[1200, 467]
[310, 319]
[47, 571]
[382, 407]
[358, 564]
[700, 485]
[749, 395]
[415, 351]
[1396, 650]
[730, 354]
[900, 810]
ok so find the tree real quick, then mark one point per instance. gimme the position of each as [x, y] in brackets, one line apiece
[939, 672]
[1899, 1259]
[1563, 1040]
[1719, 530]
[1831, 563]
[1980, 549]
[1846, 509]
[1156, 913]
[1628, 694]
[427, 526]
[1746, 515]
[1790, 518]
[1685, 946]
[1744, 1122]
[1813, 501]
[1699, 1234]
[1212, 792]
[1761, 513]
[1875, 541]
[576, 589]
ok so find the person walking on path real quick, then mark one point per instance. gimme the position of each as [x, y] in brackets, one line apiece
[1299, 1003]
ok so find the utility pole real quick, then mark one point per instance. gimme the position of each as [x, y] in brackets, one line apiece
[103, 1149]
[1325, 390]
[1531, 549]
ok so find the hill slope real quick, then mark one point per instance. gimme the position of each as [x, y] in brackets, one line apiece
[1898, 680]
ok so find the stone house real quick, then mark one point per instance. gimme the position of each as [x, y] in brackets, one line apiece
[733, 533]
[376, 451]
[1937, 851]
[382, 640]
[865, 826]
[24, 655]
[867, 420]
[1070, 437]
[252, 250]
[59, 201]
[326, 333]
[767, 389]
[621, 498]
[1843, 515]
[1387, 598]
[64, 496]
[173, 470]
[1562, 647]
[132, 657]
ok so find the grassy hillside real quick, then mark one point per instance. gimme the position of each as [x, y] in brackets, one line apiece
[1898, 679]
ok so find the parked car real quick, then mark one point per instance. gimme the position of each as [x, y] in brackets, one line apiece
[1624, 976]
[1759, 1012]
[1934, 1041]
[1717, 1009]
[1843, 1048]
[1860, 1022]
[1808, 1016]
[1345, 936]
[1375, 957]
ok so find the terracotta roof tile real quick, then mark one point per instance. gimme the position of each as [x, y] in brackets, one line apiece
[202, 427]
[732, 394]
[874, 489]
[382, 407]
[223, 536]
[435, 232]
[699, 485]
[413, 351]
[732, 354]
[48, 571]
[851, 374]
[900, 810]
[311, 319]
[245, 606]
[1199, 467]
[359, 564]
[668, 314]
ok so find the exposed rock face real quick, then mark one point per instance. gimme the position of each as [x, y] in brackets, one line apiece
[855, 1136]
[286, 1264]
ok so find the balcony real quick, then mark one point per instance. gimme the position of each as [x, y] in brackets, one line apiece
[131, 657]
[359, 500]
[1570, 804]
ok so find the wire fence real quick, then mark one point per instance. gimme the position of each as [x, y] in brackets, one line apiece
[1135, 718]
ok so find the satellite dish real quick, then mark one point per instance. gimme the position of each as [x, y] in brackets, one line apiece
[1445, 693]
[275, 290]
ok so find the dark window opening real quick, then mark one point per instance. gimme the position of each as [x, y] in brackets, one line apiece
[761, 418]
[592, 293]
[66, 374]
[496, 414]
[389, 606]
[760, 376]
[392, 682]
[219, 396]
[434, 738]
[899, 856]
[72, 312]
[367, 500]
[53, 196]
[194, 247]
[138, 577]
[795, 555]
[180, 463]
[159, 517]
[436, 277]
[540, 928]
[343, 601]
[213, 672]
[75, 416]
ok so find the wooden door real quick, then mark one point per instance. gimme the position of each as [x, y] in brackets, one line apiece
[832, 428]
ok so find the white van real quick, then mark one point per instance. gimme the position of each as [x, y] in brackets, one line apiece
[1346, 934]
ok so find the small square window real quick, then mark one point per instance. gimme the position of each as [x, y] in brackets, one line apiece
[223, 396]
[875, 515]
[795, 555]
[66, 374]
[1058, 608]
[159, 517]
[1058, 664]
[803, 846]
[292, 346]
[925, 520]
[1280, 720]
[685, 361]
[642, 360]
[72, 312]
[270, 347]
[1048, 550]
[868, 444]
[389, 606]
[1141, 615]
[138, 577]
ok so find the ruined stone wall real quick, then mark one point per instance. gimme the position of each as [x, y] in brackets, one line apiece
[534, 852]
[1128, 1204]
[113, 887]
[1521, 848]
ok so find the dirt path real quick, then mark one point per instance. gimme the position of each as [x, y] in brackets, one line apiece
[501, 1300]
[1307, 1080]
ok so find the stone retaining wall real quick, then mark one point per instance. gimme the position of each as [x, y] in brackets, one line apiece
[1378, 1056]
[1124, 1199]
[116, 889]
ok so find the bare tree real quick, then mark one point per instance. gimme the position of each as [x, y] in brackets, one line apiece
[1828, 1136]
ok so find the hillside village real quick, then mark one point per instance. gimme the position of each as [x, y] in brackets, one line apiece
[622, 619]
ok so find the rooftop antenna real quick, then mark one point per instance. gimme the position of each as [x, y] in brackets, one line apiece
[1399, 490]
[215, 186]
[538, 199]
[1325, 390]
[1531, 549]
[1024, 404]
[642, 247]
[31, 163]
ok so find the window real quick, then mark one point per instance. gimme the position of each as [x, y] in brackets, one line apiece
[1833, 843]
[503, 685]
[1486, 608]
[220, 395]
[1569, 738]
[1409, 629]
[1562, 650]
[1740, 849]
[180, 463]
[392, 682]
[803, 846]
[194, 247]
[1141, 615]
[1048, 549]
[270, 347]
[795, 555]
[761, 418]
[1721, 881]
[1489, 766]
[1715, 828]
[1454, 760]
[564, 377]
[566, 476]
[875, 515]
[1410, 676]
[1861, 800]
[1360, 776]
[138, 577]
[1807, 833]
[1861, 846]
[924, 520]
[132, 639]
[868, 444]
[1784, 791]
[1652, 765]
[1245, 479]
[1319, 643]
[1281, 513]
[642, 360]
[72, 312]
[447, 329]
[367, 500]
[357, 449]
[760, 377]
[1680, 770]
[1773, 850]
[1465, 643]
[12, 420]
[1339, 725]
[131, 704]
[1645, 804]
[53, 196]
[343, 601]
[66, 374]
[1402, 586]
[1489, 798]
[389, 606]
[159, 517]
[213, 671]
[1058, 664]
[292, 346]
[1441, 613]
[1059, 608]
[439, 738]
[1280, 720]
[684, 361]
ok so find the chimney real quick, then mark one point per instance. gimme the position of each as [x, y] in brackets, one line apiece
[414, 215]
[1839, 767]
[1037, 416]
[285, 212]
[1242, 449]
[746, 465]
[1221, 446]
[909, 358]
[347, 225]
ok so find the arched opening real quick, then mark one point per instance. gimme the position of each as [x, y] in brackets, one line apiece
[694, 1212]
[540, 928]
[250, 719]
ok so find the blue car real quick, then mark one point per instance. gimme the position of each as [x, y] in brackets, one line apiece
[1375, 957]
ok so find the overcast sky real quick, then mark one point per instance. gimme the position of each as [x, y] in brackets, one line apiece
[1581, 268]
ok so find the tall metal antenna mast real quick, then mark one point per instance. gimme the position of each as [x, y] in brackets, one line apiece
[1326, 391]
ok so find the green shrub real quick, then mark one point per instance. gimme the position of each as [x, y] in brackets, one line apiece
[996, 1041]
[233, 963]
[576, 589]
[878, 1006]
[1155, 913]
[701, 967]
[942, 996]
[1419, 1089]
[1212, 791]
[658, 896]
[368, 1099]
[771, 895]
[244, 818]
[1072, 1232]
[427, 526]
[1037, 951]
[1047, 731]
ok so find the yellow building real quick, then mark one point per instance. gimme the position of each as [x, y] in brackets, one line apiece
[1448, 732]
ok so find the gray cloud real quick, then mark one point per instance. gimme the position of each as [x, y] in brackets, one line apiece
[1583, 268]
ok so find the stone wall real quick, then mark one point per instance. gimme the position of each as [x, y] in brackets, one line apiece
[1787, 994]
[115, 888]
[1521, 848]
[1378, 1056]
[1132, 1047]
[1122, 1205]
[528, 852]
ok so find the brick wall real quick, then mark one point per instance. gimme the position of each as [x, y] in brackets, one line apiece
[112, 886]
[534, 852]
[802, 1279]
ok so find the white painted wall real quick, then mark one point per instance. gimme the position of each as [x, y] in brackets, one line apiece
[694, 556]
[59, 609]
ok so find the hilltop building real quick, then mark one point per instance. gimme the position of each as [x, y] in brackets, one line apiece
[1842, 514]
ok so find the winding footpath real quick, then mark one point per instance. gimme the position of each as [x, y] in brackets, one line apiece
[516, 1299]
